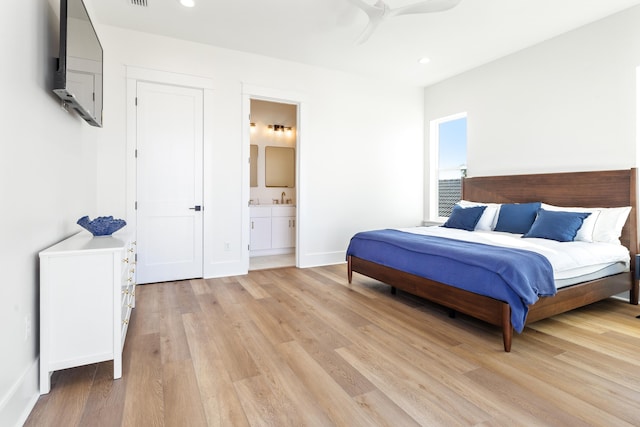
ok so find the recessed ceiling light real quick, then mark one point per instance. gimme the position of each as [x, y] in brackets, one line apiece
[424, 60]
[187, 3]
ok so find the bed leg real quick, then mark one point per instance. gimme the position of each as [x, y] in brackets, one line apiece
[349, 272]
[507, 329]
[633, 293]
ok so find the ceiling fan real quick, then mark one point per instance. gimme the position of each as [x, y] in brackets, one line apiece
[379, 11]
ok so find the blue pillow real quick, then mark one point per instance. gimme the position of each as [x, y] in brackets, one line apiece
[517, 217]
[464, 218]
[557, 225]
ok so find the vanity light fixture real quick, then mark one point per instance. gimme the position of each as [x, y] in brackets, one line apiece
[277, 128]
[280, 128]
[188, 3]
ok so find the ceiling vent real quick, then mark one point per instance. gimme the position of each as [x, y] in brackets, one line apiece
[142, 3]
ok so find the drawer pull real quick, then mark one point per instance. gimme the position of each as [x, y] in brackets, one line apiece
[125, 292]
[126, 260]
[125, 322]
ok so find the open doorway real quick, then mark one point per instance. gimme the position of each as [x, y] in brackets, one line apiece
[273, 193]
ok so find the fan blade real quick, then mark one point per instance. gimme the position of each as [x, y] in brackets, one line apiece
[371, 27]
[375, 13]
[370, 9]
[424, 7]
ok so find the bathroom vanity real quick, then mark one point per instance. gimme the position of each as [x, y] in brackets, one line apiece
[273, 229]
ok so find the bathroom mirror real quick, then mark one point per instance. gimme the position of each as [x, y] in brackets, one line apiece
[253, 165]
[279, 167]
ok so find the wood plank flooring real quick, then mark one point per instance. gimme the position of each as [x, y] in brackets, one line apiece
[302, 347]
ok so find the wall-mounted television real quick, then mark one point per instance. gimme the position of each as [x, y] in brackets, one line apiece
[78, 78]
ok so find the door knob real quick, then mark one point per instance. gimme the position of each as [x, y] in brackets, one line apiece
[196, 208]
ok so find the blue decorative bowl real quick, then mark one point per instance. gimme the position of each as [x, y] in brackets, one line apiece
[102, 225]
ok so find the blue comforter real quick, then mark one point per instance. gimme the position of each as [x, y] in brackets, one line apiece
[516, 276]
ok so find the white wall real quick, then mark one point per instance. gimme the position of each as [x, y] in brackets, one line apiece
[47, 182]
[566, 104]
[360, 155]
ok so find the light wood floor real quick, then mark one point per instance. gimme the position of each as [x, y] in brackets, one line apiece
[302, 347]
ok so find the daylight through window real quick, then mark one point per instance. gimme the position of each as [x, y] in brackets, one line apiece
[449, 162]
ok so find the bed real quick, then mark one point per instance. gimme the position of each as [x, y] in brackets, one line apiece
[599, 189]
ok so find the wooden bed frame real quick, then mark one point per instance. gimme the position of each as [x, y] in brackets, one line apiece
[585, 189]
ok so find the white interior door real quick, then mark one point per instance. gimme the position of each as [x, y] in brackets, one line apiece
[169, 136]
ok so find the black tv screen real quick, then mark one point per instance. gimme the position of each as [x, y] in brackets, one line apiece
[78, 78]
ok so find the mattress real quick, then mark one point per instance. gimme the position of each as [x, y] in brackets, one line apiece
[572, 262]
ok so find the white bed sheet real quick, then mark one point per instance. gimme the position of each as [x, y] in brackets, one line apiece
[570, 260]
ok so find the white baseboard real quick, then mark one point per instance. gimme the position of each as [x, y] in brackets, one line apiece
[19, 401]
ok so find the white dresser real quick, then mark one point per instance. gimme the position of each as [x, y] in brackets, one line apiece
[87, 291]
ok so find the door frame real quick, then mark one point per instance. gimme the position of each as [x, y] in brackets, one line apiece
[133, 76]
[250, 92]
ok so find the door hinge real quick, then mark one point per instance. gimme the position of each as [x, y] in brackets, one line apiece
[136, 101]
[136, 153]
[136, 205]
[248, 247]
[135, 257]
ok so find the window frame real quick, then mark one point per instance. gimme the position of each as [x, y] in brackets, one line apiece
[434, 153]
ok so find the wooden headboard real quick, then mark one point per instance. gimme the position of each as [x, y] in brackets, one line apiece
[606, 189]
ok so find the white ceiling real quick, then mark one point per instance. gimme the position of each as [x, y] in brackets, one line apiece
[323, 32]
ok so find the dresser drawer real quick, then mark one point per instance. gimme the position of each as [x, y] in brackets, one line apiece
[126, 312]
[124, 326]
[126, 291]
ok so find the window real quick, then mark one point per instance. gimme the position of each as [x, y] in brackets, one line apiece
[448, 163]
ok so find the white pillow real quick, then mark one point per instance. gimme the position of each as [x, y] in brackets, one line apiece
[585, 232]
[487, 221]
[610, 223]
[603, 225]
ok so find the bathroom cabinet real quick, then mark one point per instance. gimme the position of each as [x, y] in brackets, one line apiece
[273, 229]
